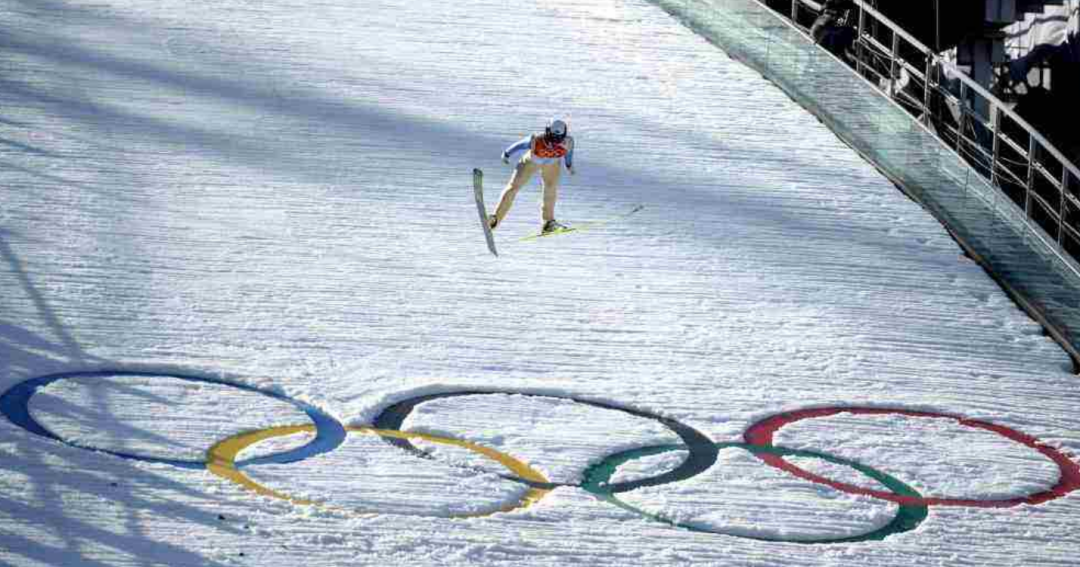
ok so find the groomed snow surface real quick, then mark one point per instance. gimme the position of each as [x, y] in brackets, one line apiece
[277, 194]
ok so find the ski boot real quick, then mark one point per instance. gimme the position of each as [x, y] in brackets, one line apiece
[552, 226]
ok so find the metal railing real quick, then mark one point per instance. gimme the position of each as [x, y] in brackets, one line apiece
[994, 139]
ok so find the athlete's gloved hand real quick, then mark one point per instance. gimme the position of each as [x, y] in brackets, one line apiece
[506, 158]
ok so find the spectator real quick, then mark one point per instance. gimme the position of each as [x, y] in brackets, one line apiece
[1045, 109]
[831, 29]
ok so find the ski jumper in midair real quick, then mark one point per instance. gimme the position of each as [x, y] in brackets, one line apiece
[544, 152]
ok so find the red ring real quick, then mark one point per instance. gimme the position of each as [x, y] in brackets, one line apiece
[761, 433]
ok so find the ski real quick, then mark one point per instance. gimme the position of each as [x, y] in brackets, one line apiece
[583, 226]
[478, 192]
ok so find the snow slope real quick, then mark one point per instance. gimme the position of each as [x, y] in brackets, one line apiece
[277, 194]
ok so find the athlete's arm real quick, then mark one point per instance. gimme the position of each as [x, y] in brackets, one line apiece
[519, 146]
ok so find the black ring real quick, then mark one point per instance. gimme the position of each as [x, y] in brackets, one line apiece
[703, 451]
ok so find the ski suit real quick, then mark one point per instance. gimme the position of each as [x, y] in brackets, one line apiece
[540, 155]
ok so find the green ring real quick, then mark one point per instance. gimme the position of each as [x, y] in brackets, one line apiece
[907, 518]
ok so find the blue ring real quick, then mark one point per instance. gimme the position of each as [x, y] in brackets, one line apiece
[330, 433]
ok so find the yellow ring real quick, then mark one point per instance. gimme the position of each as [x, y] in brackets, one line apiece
[221, 461]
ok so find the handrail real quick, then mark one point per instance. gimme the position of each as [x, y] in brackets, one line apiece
[895, 27]
[969, 115]
[971, 83]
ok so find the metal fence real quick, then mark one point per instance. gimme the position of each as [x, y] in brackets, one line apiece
[1010, 202]
[980, 127]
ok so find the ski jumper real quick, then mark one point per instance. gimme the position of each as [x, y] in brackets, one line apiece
[543, 156]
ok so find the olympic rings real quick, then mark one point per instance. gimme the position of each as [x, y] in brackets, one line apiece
[222, 462]
[908, 516]
[761, 434]
[221, 458]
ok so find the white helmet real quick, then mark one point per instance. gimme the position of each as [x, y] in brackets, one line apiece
[555, 130]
